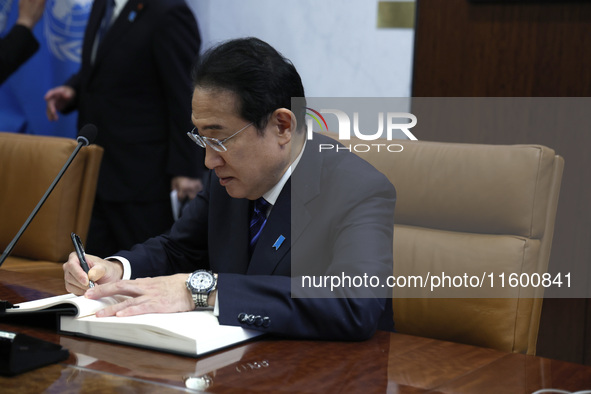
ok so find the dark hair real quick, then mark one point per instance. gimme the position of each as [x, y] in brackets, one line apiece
[260, 76]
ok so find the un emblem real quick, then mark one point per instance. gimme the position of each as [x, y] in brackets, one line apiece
[65, 22]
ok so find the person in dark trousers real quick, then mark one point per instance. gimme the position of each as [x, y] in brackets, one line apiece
[134, 85]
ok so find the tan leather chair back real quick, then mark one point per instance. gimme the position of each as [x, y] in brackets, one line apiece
[466, 208]
[28, 165]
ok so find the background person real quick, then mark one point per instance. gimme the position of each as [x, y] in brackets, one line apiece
[134, 85]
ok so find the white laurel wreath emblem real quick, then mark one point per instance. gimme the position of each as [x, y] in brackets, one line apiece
[65, 22]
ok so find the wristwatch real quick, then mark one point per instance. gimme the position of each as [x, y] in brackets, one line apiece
[200, 283]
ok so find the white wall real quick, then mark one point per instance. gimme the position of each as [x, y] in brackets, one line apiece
[334, 44]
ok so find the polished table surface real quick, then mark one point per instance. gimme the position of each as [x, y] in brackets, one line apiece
[388, 362]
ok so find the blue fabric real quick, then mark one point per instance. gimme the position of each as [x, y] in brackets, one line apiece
[59, 32]
[257, 222]
[105, 24]
[107, 18]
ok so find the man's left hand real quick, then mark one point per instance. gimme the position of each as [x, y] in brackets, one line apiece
[163, 294]
[186, 188]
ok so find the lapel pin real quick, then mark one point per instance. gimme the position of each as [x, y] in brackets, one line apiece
[279, 241]
[133, 13]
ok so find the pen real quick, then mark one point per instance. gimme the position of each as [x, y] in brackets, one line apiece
[81, 256]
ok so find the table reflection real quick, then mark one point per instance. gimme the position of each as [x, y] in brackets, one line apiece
[298, 365]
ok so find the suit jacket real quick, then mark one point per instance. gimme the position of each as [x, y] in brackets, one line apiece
[15, 49]
[138, 94]
[336, 214]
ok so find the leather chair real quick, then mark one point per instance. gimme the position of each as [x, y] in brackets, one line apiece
[476, 209]
[29, 163]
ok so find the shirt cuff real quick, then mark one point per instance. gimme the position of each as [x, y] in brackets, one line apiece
[126, 266]
[216, 306]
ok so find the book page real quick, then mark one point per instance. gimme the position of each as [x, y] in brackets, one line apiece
[43, 303]
[88, 307]
[83, 305]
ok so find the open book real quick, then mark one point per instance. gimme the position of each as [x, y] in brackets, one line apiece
[188, 333]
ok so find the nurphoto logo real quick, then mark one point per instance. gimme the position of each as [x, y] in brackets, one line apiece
[367, 122]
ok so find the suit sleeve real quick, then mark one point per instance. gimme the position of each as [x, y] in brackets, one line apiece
[264, 303]
[15, 49]
[183, 249]
[176, 48]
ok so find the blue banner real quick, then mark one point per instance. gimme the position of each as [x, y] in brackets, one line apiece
[59, 32]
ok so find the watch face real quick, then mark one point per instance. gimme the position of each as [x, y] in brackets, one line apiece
[201, 281]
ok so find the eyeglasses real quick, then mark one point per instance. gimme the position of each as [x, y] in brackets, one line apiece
[214, 143]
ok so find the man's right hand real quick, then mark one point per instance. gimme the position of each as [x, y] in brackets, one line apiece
[101, 271]
[57, 99]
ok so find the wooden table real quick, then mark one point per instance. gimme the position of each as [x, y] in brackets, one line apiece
[389, 362]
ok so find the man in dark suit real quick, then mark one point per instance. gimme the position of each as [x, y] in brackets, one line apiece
[20, 43]
[134, 85]
[327, 215]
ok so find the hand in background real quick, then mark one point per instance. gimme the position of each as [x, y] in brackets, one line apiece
[101, 271]
[29, 12]
[186, 187]
[57, 99]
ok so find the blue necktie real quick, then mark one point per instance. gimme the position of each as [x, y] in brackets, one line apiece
[107, 19]
[257, 222]
[105, 24]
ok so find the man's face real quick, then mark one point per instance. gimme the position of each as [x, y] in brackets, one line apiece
[253, 164]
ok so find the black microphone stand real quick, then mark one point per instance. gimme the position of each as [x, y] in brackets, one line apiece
[18, 351]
